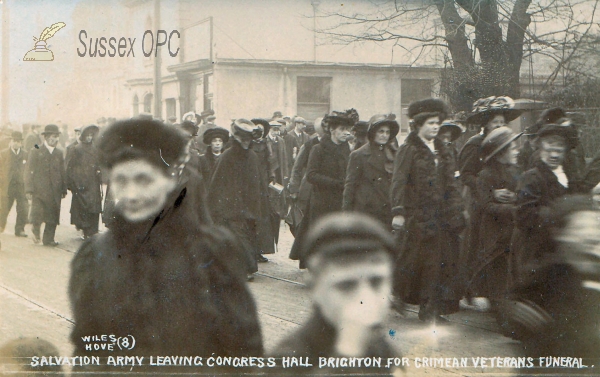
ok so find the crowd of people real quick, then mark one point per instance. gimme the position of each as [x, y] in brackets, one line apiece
[193, 208]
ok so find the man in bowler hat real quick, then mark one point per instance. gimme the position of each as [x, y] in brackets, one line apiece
[12, 187]
[45, 185]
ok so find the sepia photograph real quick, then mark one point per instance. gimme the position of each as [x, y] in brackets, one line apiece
[299, 188]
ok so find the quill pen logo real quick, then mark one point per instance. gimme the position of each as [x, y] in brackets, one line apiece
[40, 52]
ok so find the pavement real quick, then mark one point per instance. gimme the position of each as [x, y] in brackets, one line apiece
[34, 303]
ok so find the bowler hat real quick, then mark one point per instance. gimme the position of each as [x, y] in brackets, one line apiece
[51, 129]
[214, 132]
[264, 123]
[340, 234]
[160, 144]
[496, 141]
[16, 136]
[486, 108]
[207, 113]
[379, 120]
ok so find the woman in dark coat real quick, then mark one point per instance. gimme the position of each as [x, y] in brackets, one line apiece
[173, 283]
[496, 189]
[214, 139]
[425, 203]
[234, 194]
[369, 173]
[326, 171]
[85, 183]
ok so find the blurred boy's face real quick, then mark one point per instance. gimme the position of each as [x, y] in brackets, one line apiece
[353, 293]
[553, 150]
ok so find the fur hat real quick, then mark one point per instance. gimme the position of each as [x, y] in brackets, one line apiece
[214, 132]
[496, 141]
[153, 141]
[563, 128]
[379, 120]
[484, 109]
[427, 106]
[340, 234]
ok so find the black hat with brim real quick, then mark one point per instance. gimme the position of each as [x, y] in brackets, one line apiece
[212, 133]
[496, 141]
[87, 129]
[379, 120]
[160, 144]
[265, 125]
[485, 109]
[566, 131]
[51, 129]
[16, 136]
[244, 126]
[455, 129]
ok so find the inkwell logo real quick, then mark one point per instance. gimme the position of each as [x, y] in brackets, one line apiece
[40, 52]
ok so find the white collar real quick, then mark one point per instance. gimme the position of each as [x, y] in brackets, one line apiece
[16, 152]
[50, 149]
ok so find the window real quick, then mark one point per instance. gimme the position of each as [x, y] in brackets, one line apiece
[415, 89]
[148, 103]
[208, 91]
[136, 106]
[171, 105]
[313, 96]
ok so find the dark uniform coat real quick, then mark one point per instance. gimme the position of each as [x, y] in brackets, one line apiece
[45, 180]
[266, 239]
[426, 195]
[367, 187]
[490, 263]
[170, 282]
[85, 182]
[537, 189]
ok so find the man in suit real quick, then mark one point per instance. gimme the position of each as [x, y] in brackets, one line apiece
[45, 185]
[12, 187]
[280, 173]
[294, 140]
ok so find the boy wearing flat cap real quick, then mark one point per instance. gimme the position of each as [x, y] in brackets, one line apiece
[349, 259]
[45, 185]
[12, 187]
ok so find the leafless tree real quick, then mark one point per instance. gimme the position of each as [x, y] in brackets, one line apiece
[483, 42]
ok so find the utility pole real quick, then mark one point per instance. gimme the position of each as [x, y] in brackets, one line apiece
[315, 4]
[157, 65]
[4, 118]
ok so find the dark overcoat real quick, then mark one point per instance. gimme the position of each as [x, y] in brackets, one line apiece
[317, 338]
[298, 182]
[45, 180]
[367, 186]
[326, 172]
[490, 263]
[426, 195]
[537, 189]
[11, 171]
[266, 240]
[292, 140]
[207, 163]
[170, 282]
[84, 180]
[278, 171]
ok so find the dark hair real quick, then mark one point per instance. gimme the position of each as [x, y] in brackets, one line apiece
[420, 119]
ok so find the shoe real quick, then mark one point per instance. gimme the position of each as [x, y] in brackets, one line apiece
[261, 259]
[250, 277]
[36, 239]
[51, 244]
[20, 234]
